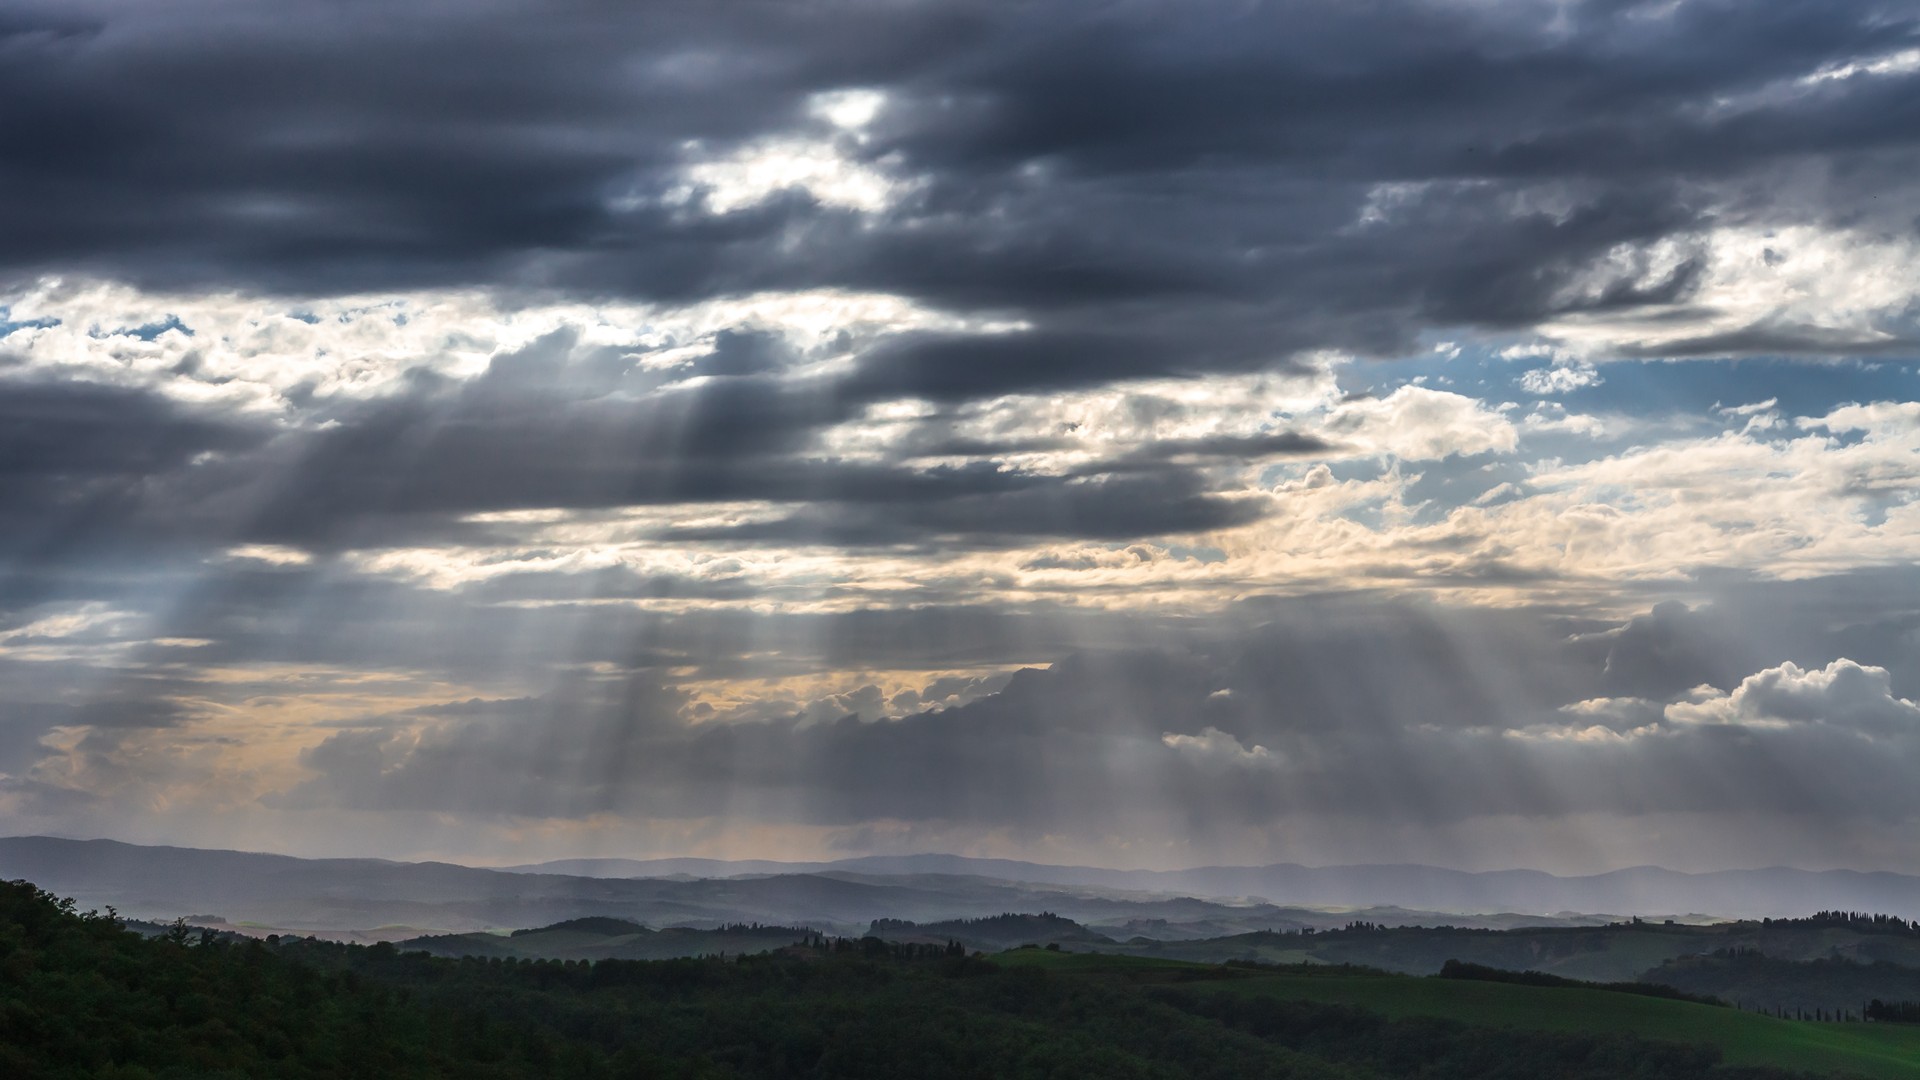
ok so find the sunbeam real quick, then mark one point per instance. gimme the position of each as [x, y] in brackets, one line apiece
[1300, 433]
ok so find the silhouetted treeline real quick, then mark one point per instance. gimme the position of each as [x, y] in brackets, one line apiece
[994, 931]
[1006, 919]
[1898, 1012]
[1857, 921]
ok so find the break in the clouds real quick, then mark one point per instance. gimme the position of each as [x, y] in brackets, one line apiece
[1459, 431]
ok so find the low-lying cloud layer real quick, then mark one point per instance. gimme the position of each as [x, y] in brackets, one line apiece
[1439, 431]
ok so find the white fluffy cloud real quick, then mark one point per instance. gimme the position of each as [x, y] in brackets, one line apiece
[1415, 423]
[1560, 378]
[1842, 694]
[1215, 747]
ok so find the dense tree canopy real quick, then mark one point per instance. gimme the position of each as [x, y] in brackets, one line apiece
[82, 996]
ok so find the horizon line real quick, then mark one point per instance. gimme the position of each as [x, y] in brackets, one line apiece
[534, 867]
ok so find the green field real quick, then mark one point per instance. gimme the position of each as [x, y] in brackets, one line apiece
[1874, 1050]
[1615, 953]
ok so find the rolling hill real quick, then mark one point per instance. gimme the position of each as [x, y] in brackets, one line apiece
[1889, 1051]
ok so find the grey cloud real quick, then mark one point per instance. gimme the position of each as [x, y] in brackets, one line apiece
[518, 634]
[1079, 735]
[473, 707]
[80, 463]
[1108, 508]
[745, 353]
[23, 724]
[101, 720]
[76, 432]
[1362, 710]
[554, 425]
[1672, 649]
[612, 583]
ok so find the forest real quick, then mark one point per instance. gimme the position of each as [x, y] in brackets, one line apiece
[82, 996]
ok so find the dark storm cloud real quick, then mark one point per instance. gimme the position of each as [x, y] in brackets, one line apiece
[80, 463]
[1108, 508]
[1094, 169]
[79, 432]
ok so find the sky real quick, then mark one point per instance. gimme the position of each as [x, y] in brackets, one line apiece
[1482, 433]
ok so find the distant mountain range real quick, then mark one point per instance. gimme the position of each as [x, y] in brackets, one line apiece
[846, 896]
[1641, 890]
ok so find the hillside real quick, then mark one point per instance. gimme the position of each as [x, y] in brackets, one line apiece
[1745, 1038]
[1829, 985]
[84, 998]
[1257, 1000]
[1614, 953]
[993, 933]
[612, 939]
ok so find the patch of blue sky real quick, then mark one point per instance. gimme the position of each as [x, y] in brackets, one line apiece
[1802, 387]
[1466, 373]
[1656, 399]
[8, 324]
[1442, 486]
[1433, 487]
[1197, 554]
[146, 331]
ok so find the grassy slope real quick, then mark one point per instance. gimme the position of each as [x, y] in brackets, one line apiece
[1874, 1050]
[1602, 954]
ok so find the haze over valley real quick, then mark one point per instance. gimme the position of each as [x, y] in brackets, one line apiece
[363, 899]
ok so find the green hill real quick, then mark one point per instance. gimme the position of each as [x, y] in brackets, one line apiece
[992, 933]
[83, 998]
[611, 939]
[592, 925]
[1829, 985]
[1880, 1050]
[1744, 1038]
[1618, 952]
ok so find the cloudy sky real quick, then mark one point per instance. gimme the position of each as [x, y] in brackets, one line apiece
[1473, 432]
